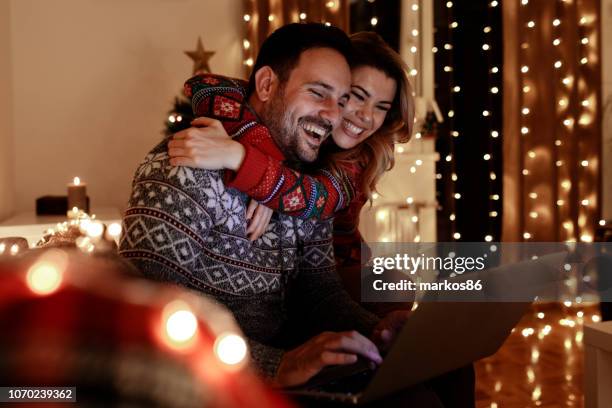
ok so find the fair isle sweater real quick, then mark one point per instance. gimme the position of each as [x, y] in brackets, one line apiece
[184, 225]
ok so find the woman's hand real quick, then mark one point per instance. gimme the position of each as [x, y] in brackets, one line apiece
[258, 217]
[206, 145]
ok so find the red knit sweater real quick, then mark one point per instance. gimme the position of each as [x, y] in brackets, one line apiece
[266, 179]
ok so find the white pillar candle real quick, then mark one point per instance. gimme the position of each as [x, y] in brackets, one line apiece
[77, 195]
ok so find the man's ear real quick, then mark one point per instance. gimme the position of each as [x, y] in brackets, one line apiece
[265, 83]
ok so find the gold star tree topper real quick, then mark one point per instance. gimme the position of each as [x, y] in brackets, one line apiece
[200, 58]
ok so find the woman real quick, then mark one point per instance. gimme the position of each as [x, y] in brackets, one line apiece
[378, 114]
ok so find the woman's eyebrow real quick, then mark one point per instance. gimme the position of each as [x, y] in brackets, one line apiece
[361, 89]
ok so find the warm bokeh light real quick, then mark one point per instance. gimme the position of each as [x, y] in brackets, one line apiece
[44, 278]
[230, 348]
[95, 229]
[46, 274]
[181, 326]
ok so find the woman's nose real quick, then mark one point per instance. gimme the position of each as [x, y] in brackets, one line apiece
[365, 114]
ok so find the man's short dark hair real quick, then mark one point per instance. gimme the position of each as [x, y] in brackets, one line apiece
[282, 49]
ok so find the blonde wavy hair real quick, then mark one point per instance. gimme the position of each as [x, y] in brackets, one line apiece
[375, 154]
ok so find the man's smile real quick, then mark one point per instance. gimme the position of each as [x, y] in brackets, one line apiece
[315, 132]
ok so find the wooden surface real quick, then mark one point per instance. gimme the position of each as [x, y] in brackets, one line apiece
[536, 369]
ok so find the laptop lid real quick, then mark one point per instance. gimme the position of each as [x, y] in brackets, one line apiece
[442, 336]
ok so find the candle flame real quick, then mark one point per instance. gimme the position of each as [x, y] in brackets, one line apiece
[77, 181]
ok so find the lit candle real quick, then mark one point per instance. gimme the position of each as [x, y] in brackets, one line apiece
[77, 195]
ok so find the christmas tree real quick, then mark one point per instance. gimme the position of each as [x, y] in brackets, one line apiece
[181, 115]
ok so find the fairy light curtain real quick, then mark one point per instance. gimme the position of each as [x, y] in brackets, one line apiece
[552, 132]
[468, 70]
[261, 17]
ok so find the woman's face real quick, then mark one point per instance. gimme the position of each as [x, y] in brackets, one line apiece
[372, 93]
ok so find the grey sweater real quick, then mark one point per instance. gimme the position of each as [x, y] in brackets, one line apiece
[184, 226]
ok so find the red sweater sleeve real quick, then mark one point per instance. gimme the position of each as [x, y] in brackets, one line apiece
[283, 189]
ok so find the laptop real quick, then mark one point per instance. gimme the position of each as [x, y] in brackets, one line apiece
[438, 337]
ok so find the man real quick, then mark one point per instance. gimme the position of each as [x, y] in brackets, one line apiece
[185, 225]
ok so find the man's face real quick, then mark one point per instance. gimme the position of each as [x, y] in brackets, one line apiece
[307, 107]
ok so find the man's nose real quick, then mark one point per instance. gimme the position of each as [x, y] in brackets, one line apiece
[331, 112]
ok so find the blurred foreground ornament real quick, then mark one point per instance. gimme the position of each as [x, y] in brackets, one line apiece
[93, 324]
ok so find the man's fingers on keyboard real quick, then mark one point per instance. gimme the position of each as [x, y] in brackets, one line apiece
[336, 358]
[355, 345]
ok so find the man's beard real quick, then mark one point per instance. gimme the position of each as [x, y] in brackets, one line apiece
[285, 130]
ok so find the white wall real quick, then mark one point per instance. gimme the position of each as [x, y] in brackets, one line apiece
[7, 192]
[93, 80]
[606, 92]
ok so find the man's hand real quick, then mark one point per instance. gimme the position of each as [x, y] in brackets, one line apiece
[387, 329]
[259, 217]
[206, 145]
[304, 362]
